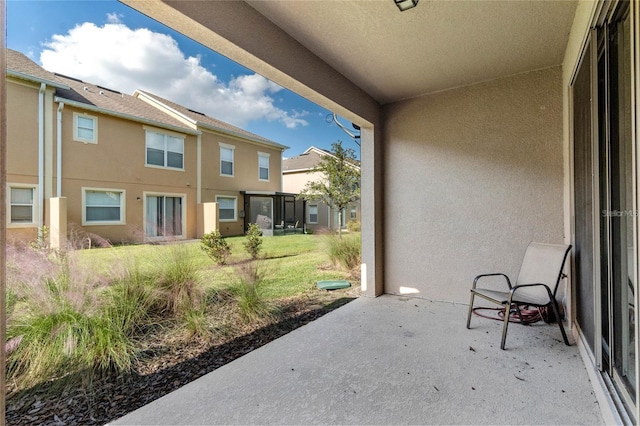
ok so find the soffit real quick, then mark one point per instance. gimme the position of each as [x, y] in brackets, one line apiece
[436, 46]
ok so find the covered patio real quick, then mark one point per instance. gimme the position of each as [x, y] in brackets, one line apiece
[484, 126]
[392, 360]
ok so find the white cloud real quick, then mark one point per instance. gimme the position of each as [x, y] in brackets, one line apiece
[124, 59]
[113, 18]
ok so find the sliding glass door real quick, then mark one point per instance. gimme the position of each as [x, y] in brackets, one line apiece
[604, 202]
[164, 216]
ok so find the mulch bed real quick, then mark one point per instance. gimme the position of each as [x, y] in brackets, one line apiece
[166, 367]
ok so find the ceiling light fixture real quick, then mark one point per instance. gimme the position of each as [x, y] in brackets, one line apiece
[406, 4]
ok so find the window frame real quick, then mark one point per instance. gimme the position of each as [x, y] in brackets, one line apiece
[164, 134]
[317, 215]
[353, 213]
[76, 126]
[267, 156]
[235, 207]
[34, 205]
[123, 203]
[232, 148]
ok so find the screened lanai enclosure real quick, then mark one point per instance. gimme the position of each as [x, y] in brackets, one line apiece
[275, 213]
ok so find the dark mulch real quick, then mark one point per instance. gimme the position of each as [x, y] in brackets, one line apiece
[165, 370]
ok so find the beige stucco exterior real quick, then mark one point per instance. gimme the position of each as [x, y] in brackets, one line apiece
[116, 163]
[474, 175]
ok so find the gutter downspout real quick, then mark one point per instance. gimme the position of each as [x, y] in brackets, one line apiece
[199, 169]
[59, 151]
[43, 87]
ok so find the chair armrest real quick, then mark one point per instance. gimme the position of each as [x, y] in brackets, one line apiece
[476, 279]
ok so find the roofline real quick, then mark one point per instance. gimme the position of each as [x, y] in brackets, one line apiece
[240, 135]
[137, 93]
[82, 105]
[29, 77]
[320, 152]
[210, 126]
[297, 170]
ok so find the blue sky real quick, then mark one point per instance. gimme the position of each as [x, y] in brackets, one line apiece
[110, 44]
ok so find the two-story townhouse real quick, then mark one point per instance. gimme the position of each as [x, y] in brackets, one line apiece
[239, 170]
[122, 167]
[297, 172]
[152, 195]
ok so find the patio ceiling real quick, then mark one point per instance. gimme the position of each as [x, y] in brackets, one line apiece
[435, 46]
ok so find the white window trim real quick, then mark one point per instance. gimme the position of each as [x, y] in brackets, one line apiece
[317, 214]
[267, 156]
[235, 208]
[123, 203]
[145, 194]
[165, 133]
[34, 215]
[233, 159]
[77, 138]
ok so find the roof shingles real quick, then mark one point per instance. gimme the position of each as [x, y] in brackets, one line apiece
[202, 119]
[110, 100]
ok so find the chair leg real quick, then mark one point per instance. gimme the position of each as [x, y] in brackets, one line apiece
[470, 310]
[556, 312]
[507, 310]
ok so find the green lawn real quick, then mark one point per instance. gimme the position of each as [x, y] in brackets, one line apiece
[291, 263]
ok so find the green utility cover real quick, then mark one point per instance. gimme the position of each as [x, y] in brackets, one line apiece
[333, 284]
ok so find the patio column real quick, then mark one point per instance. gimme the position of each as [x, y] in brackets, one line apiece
[208, 218]
[371, 206]
[58, 223]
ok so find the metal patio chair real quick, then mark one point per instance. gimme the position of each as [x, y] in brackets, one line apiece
[537, 284]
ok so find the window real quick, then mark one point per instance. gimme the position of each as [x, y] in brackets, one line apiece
[164, 215]
[354, 212]
[313, 213]
[165, 150]
[263, 166]
[226, 159]
[103, 206]
[85, 128]
[22, 204]
[227, 208]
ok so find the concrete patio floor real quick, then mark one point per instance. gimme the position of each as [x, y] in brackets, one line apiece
[392, 360]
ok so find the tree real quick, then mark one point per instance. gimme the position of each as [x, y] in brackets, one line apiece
[340, 182]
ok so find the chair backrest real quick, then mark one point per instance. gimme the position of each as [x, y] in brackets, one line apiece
[542, 263]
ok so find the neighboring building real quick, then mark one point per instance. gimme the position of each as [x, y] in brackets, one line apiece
[129, 168]
[297, 172]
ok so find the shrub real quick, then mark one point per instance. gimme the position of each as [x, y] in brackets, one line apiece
[344, 251]
[215, 247]
[253, 243]
[353, 226]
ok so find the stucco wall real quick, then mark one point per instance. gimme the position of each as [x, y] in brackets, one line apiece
[22, 135]
[473, 175]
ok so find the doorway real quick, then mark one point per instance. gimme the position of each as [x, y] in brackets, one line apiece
[604, 202]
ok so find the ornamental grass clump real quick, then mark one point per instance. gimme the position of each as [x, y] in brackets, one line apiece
[180, 290]
[254, 307]
[61, 323]
[216, 247]
[344, 251]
